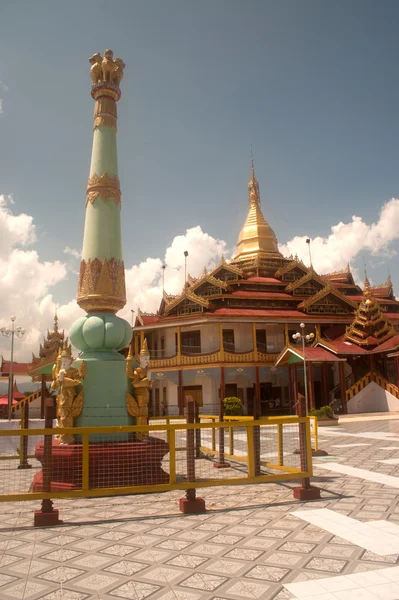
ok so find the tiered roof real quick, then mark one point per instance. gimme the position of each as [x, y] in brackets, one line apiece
[48, 350]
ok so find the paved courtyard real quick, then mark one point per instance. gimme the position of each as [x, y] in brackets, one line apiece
[254, 542]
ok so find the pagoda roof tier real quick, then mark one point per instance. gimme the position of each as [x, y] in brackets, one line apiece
[344, 275]
[341, 346]
[291, 355]
[370, 327]
[19, 369]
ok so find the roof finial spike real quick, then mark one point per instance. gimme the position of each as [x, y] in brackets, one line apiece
[366, 282]
[55, 321]
[253, 185]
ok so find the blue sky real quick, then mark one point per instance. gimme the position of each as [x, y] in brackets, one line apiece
[313, 85]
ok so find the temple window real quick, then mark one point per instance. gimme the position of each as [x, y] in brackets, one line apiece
[191, 342]
[228, 340]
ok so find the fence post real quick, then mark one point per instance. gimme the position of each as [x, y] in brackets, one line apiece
[197, 432]
[221, 464]
[280, 445]
[47, 515]
[23, 445]
[191, 504]
[256, 436]
[305, 491]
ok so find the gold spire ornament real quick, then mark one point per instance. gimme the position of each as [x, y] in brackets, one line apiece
[65, 380]
[137, 405]
[256, 238]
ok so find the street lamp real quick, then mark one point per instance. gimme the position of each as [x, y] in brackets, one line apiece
[10, 333]
[308, 338]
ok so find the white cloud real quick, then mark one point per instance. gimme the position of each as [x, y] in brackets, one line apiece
[26, 282]
[348, 240]
[72, 252]
[144, 281]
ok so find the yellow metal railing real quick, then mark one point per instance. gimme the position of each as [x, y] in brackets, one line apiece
[173, 432]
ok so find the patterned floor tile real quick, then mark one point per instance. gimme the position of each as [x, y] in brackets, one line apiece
[279, 558]
[151, 555]
[119, 550]
[62, 540]
[63, 594]
[208, 549]
[163, 575]
[326, 564]
[244, 553]
[338, 551]
[90, 545]
[126, 567]
[92, 561]
[61, 573]
[261, 543]
[274, 533]
[62, 555]
[224, 566]
[5, 579]
[203, 581]
[28, 567]
[247, 589]
[176, 594]
[189, 561]
[300, 547]
[97, 582]
[267, 573]
[24, 590]
[9, 559]
[174, 544]
[134, 589]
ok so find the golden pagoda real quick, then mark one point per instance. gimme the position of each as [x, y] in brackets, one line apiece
[370, 327]
[257, 243]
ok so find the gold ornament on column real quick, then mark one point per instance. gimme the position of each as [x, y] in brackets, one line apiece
[137, 405]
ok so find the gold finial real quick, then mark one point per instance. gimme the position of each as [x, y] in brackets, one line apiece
[144, 349]
[367, 291]
[253, 185]
[130, 353]
[106, 73]
[55, 321]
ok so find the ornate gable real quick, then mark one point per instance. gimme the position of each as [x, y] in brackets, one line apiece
[292, 271]
[385, 290]
[308, 285]
[343, 276]
[226, 271]
[328, 301]
[187, 303]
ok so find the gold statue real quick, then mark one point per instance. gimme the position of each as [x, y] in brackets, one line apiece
[96, 71]
[65, 379]
[137, 406]
[117, 75]
[108, 65]
[106, 70]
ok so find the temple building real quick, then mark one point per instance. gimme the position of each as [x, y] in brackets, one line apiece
[229, 333]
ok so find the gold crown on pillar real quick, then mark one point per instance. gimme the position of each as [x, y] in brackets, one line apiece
[66, 350]
[106, 72]
[144, 349]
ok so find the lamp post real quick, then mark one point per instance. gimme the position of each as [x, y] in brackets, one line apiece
[10, 333]
[308, 338]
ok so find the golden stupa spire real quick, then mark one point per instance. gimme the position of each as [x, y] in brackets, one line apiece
[256, 237]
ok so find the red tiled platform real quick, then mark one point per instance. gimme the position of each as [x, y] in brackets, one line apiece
[110, 465]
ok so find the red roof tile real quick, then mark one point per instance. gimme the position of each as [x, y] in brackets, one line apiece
[342, 347]
[149, 320]
[244, 312]
[17, 368]
[264, 280]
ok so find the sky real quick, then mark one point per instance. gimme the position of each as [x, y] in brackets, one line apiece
[312, 86]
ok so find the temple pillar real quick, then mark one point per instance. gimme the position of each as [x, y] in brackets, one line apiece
[291, 389]
[43, 395]
[295, 386]
[397, 369]
[343, 387]
[257, 399]
[180, 399]
[324, 384]
[312, 403]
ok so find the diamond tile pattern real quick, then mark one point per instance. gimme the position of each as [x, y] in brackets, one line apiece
[254, 542]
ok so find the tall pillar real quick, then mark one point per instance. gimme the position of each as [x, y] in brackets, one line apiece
[101, 289]
[312, 403]
[324, 384]
[295, 386]
[343, 387]
[257, 403]
[180, 399]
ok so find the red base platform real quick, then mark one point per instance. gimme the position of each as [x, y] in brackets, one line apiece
[110, 465]
[307, 493]
[190, 507]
